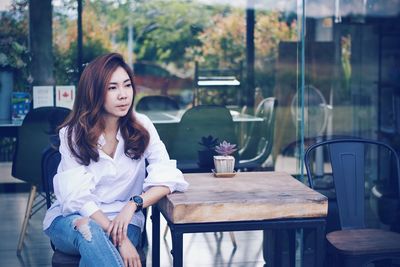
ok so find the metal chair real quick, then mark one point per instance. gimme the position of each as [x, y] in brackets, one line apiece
[258, 146]
[156, 102]
[34, 135]
[50, 161]
[354, 244]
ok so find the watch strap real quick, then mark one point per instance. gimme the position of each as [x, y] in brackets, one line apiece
[138, 201]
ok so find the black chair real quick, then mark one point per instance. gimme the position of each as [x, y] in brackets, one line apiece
[258, 146]
[197, 122]
[50, 161]
[156, 102]
[350, 159]
[34, 135]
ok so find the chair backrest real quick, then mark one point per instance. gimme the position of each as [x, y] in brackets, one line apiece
[350, 158]
[36, 133]
[201, 121]
[258, 145]
[156, 102]
[50, 160]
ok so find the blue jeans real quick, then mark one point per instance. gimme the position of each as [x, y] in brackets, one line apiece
[97, 251]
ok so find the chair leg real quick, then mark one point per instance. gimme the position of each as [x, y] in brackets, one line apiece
[233, 239]
[28, 211]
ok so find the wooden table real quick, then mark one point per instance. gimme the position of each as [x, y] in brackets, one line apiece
[248, 201]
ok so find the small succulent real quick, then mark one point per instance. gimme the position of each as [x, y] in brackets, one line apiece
[225, 148]
[208, 142]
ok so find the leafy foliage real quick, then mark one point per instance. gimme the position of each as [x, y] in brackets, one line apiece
[173, 34]
[14, 55]
[224, 45]
[96, 41]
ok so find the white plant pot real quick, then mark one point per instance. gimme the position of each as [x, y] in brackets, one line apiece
[224, 164]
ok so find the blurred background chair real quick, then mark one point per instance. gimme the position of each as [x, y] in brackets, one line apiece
[259, 143]
[156, 102]
[197, 122]
[350, 162]
[34, 135]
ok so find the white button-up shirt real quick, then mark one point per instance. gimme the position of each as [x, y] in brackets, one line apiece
[108, 183]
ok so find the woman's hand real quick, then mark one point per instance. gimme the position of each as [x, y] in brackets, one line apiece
[118, 228]
[129, 254]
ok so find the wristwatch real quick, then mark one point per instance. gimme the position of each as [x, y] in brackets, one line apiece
[138, 200]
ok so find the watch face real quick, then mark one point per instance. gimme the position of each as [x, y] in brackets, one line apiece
[138, 200]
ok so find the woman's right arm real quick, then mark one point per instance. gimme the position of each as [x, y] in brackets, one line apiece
[74, 184]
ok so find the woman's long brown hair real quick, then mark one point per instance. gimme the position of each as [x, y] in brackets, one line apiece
[86, 121]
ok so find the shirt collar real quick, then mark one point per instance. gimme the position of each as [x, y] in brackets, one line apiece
[102, 141]
[119, 135]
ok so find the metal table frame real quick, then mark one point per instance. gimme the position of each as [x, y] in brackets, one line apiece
[177, 231]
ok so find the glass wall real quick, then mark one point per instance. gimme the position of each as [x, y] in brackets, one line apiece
[342, 68]
[350, 68]
[172, 45]
[337, 61]
[352, 84]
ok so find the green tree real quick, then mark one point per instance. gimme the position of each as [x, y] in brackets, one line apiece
[14, 53]
[224, 44]
[162, 31]
[96, 40]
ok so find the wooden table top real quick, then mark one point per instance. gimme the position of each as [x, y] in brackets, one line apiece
[246, 196]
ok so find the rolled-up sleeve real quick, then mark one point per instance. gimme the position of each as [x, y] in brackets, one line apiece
[161, 170]
[73, 183]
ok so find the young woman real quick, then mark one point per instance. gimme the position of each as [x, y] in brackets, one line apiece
[100, 184]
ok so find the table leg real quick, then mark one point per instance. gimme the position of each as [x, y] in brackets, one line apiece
[177, 247]
[319, 245]
[278, 248]
[155, 218]
[269, 240]
[292, 247]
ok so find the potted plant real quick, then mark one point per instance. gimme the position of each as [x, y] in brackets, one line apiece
[207, 152]
[224, 162]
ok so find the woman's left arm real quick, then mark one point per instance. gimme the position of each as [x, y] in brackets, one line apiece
[161, 170]
[154, 194]
[118, 227]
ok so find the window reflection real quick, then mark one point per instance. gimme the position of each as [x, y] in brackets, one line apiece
[351, 58]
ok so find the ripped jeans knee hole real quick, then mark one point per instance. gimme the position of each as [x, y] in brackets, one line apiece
[82, 226]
